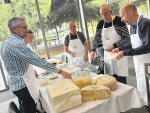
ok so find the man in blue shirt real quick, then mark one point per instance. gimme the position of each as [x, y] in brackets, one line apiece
[139, 45]
[17, 58]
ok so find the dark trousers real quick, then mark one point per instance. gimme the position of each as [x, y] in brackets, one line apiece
[27, 104]
[120, 79]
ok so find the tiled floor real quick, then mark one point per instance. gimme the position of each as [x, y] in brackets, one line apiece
[5, 97]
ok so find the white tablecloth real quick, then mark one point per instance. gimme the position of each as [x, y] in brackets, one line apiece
[122, 99]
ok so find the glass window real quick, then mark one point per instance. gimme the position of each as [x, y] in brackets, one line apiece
[93, 15]
[115, 6]
[56, 14]
[142, 7]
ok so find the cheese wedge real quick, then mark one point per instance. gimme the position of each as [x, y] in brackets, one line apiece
[95, 92]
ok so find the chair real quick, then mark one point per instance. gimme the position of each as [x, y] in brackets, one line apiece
[13, 108]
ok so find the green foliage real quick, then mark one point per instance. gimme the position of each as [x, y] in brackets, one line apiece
[1, 43]
[38, 39]
[48, 37]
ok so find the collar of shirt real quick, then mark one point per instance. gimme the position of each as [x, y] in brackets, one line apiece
[135, 23]
[16, 36]
[73, 35]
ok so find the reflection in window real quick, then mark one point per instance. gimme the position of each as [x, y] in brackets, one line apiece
[93, 15]
[115, 6]
[141, 7]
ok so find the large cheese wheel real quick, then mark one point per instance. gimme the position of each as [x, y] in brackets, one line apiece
[108, 81]
[95, 92]
[82, 81]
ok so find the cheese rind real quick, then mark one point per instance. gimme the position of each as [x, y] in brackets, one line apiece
[96, 92]
[107, 81]
[63, 95]
[82, 81]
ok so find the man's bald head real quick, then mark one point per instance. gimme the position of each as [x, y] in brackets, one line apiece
[70, 24]
[72, 28]
[128, 13]
[105, 6]
[128, 6]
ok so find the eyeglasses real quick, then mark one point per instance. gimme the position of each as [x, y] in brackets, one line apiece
[72, 27]
[105, 13]
[26, 28]
[31, 37]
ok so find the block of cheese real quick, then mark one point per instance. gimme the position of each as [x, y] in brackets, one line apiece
[95, 92]
[54, 63]
[63, 95]
[58, 61]
[82, 81]
[44, 82]
[108, 81]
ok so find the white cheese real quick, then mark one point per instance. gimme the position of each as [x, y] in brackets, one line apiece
[63, 95]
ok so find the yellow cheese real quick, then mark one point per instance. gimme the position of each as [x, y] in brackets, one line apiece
[82, 81]
[44, 82]
[63, 95]
[95, 92]
[108, 81]
[58, 61]
[53, 76]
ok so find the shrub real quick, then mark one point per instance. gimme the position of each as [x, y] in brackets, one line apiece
[48, 37]
[1, 43]
[38, 39]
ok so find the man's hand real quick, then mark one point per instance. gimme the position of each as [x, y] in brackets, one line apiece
[115, 50]
[119, 56]
[35, 72]
[85, 58]
[65, 74]
[110, 48]
[92, 55]
[72, 54]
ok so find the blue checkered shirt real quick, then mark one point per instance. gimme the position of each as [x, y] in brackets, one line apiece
[17, 57]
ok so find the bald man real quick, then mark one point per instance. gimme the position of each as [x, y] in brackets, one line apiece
[76, 46]
[113, 34]
[139, 45]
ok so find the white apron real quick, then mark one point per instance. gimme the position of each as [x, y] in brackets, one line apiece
[139, 61]
[119, 67]
[31, 83]
[76, 47]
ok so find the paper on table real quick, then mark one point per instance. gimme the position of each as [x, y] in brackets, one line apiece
[112, 55]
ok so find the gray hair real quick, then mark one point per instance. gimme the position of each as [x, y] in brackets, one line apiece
[14, 22]
[106, 6]
[129, 7]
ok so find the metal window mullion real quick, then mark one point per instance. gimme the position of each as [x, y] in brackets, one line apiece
[83, 21]
[148, 5]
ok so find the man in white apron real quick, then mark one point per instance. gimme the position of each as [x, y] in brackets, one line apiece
[139, 46]
[76, 46]
[17, 58]
[113, 33]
